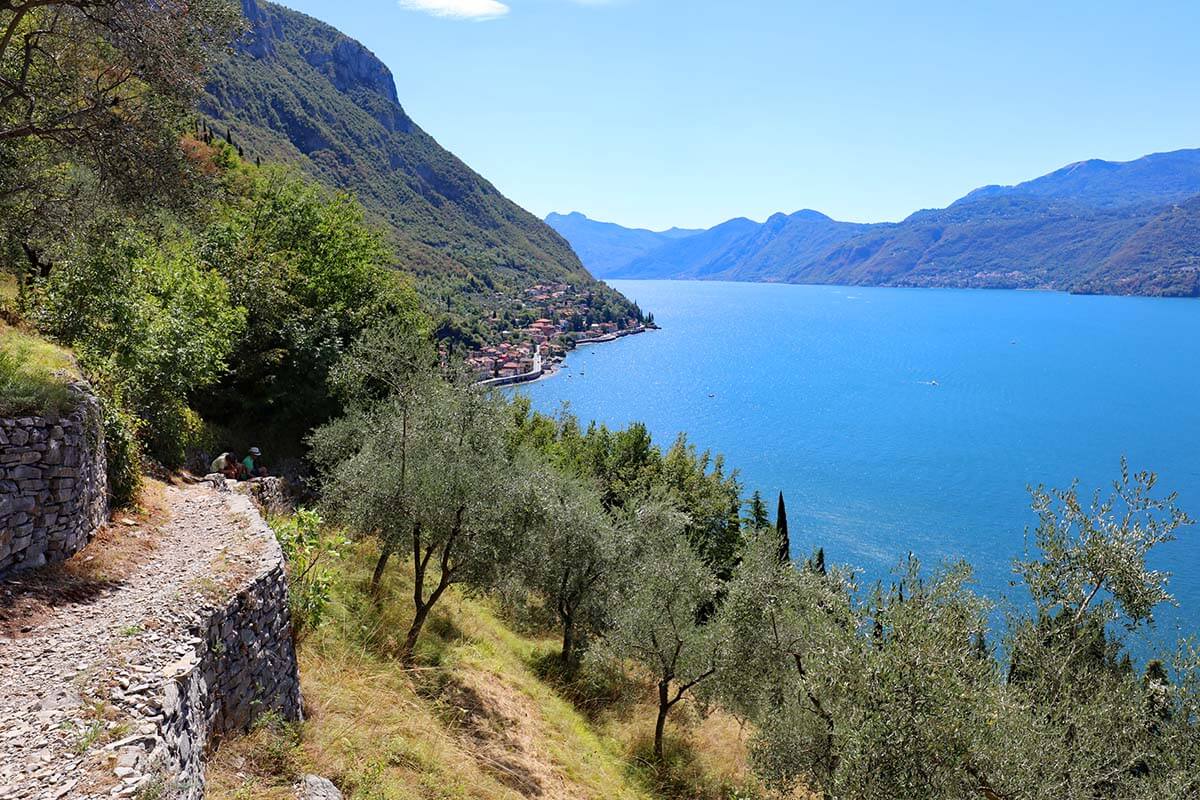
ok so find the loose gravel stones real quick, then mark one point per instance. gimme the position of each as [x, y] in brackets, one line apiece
[109, 693]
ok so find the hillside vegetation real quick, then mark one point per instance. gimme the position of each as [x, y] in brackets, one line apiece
[213, 299]
[484, 716]
[300, 92]
[1096, 227]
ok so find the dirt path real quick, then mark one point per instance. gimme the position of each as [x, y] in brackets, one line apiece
[84, 652]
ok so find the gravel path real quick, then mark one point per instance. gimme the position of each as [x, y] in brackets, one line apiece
[80, 684]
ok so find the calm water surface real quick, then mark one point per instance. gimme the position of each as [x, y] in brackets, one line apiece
[899, 420]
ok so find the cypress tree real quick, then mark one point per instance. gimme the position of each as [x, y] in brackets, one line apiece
[785, 544]
[979, 645]
[816, 563]
[758, 513]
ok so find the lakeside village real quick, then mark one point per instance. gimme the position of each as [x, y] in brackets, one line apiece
[539, 348]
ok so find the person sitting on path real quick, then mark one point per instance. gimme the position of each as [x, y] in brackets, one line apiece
[251, 466]
[226, 465]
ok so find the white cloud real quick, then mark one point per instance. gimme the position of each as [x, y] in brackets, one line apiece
[458, 9]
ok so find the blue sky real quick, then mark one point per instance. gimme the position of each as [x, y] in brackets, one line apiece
[654, 113]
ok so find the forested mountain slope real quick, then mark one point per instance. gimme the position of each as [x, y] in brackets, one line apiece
[1096, 227]
[297, 90]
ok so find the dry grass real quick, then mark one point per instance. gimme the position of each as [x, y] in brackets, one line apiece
[127, 541]
[474, 720]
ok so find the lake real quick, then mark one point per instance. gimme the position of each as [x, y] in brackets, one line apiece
[898, 420]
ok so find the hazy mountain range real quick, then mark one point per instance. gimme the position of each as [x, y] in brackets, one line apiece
[1094, 226]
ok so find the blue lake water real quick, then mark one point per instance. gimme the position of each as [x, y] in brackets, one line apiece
[827, 394]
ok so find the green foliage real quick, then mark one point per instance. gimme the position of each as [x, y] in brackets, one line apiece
[574, 552]
[896, 694]
[146, 316]
[697, 483]
[71, 143]
[1084, 551]
[781, 527]
[309, 547]
[122, 450]
[629, 469]
[240, 313]
[311, 276]
[757, 519]
[665, 591]
[426, 470]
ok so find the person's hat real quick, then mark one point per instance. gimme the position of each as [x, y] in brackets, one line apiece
[254, 451]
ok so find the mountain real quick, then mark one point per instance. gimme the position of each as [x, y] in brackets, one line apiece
[299, 91]
[742, 250]
[1157, 178]
[603, 246]
[1095, 226]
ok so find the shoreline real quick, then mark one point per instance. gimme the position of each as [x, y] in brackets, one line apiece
[550, 367]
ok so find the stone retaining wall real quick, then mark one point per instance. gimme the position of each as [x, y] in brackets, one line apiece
[243, 666]
[53, 486]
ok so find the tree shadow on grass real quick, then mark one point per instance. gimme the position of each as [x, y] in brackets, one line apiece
[592, 688]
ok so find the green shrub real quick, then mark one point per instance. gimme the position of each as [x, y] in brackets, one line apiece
[308, 548]
[122, 450]
[146, 316]
[173, 431]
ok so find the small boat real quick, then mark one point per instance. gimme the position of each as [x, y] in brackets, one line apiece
[712, 395]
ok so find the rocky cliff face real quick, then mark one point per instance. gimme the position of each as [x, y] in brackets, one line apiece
[260, 39]
[348, 64]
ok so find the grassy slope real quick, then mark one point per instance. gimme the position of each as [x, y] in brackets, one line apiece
[475, 721]
[33, 374]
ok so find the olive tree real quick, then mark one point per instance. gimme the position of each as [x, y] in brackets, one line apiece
[897, 693]
[659, 614]
[576, 549]
[427, 472]
[859, 699]
[1079, 721]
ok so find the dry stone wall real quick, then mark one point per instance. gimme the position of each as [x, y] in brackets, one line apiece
[53, 488]
[243, 666]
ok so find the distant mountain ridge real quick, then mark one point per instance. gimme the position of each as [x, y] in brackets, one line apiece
[299, 91]
[605, 246]
[1156, 178]
[1094, 226]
